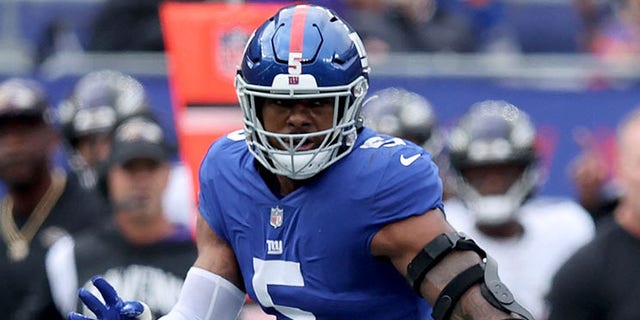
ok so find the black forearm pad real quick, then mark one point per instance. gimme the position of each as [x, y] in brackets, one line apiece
[434, 252]
[454, 290]
[486, 273]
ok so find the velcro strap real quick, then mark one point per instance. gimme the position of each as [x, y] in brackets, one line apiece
[454, 290]
[434, 252]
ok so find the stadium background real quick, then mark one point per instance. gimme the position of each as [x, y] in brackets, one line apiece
[563, 90]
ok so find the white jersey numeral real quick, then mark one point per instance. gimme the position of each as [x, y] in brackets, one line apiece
[379, 142]
[237, 135]
[278, 272]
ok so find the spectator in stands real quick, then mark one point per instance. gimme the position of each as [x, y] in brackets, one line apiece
[491, 28]
[148, 255]
[618, 36]
[123, 25]
[600, 280]
[497, 172]
[97, 102]
[590, 13]
[408, 26]
[43, 202]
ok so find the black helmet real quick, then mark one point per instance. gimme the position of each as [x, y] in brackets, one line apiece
[404, 114]
[494, 133]
[98, 100]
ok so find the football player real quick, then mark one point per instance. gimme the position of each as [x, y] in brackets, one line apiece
[314, 215]
[497, 170]
[90, 113]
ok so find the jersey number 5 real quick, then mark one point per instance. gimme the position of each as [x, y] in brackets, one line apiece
[278, 272]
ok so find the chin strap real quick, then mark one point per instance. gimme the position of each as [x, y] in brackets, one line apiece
[484, 273]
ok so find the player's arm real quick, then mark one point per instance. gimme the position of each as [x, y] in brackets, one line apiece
[212, 289]
[216, 255]
[460, 272]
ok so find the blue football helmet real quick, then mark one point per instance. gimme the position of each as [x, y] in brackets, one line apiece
[494, 132]
[303, 52]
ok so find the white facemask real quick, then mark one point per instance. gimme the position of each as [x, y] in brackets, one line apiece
[302, 166]
[494, 209]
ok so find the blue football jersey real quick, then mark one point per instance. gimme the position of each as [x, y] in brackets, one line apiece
[307, 255]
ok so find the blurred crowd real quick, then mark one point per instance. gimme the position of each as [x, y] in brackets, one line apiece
[608, 28]
[118, 191]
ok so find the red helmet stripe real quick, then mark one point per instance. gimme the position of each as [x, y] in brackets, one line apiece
[297, 28]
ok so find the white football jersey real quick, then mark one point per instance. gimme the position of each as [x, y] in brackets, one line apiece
[553, 230]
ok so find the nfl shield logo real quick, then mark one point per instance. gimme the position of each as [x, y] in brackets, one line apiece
[276, 217]
[231, 45]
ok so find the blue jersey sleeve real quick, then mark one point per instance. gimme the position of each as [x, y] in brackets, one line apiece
[395, 179]
[208, 195]
[409, 186]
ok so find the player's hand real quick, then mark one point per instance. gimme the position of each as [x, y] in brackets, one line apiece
[113, 308]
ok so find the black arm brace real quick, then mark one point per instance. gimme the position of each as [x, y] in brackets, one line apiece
[485, 273]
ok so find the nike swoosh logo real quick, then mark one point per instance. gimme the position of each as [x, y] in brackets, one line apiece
[408, 161]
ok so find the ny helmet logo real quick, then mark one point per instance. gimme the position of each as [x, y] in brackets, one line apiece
[277, 214]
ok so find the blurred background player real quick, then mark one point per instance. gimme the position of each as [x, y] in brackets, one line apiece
[147, 255]
[496, 166]
[408, 115]
[97, 102]
[42, 202]
[401, 113]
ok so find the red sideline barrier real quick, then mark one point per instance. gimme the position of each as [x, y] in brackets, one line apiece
[204, 43]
